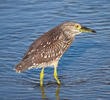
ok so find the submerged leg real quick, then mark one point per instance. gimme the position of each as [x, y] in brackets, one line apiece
[55, 73]
[41, 77]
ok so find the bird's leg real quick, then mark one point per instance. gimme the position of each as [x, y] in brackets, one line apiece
[55, 73]
[41, 77]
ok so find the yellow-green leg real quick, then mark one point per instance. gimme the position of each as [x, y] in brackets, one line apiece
[41, 77]
[55, 73]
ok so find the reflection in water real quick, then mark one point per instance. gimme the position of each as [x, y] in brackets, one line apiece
[57, 92]
[43, 92]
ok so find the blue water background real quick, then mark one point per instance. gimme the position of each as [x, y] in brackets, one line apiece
[84, 70]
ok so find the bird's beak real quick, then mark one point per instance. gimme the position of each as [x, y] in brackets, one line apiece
[84, 29]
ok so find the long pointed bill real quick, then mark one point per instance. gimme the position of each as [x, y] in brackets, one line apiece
[84, 29]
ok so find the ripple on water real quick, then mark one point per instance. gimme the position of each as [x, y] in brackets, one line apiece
[83, 70]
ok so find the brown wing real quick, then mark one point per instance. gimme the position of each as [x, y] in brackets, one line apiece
[49, 53]
[54, 51]
[42, 50]
[47, 48]
[44, 56]
[44, 41]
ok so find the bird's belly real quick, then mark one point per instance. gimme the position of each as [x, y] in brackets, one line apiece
[47, 64]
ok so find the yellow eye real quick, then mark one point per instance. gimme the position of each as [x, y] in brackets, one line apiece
[77, 26]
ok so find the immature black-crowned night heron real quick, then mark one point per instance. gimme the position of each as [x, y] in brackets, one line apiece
[48, 49]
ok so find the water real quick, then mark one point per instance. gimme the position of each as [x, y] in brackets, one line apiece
[84, 69]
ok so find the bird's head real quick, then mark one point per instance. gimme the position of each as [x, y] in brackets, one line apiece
[72, 28]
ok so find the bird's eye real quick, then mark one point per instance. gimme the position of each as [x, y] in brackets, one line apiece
[77, 26]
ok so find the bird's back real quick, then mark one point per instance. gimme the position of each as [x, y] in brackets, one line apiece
[46, 49]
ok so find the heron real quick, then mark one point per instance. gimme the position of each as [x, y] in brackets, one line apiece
[49, 48]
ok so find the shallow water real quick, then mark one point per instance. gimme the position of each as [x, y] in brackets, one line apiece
[84, 70]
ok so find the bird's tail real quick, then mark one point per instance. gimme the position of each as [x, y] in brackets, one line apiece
[22, 66]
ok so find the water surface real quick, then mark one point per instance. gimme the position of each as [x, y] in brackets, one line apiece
[84, 70]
